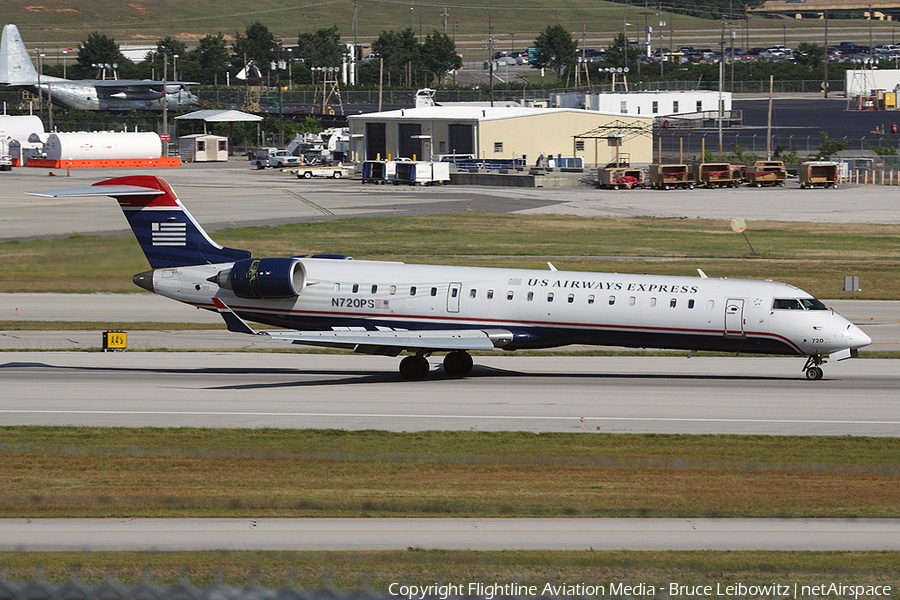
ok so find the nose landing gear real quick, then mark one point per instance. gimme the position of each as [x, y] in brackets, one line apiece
[812, 367]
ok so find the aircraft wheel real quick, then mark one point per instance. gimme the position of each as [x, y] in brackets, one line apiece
[414, 367]
[458, 363]
[814, 373]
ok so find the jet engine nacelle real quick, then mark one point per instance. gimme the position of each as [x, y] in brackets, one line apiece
[264, 278]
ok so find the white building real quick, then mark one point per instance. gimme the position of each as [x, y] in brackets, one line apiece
[644, 104]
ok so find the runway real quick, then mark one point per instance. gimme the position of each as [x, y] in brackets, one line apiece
[744, 395]
[121, 535]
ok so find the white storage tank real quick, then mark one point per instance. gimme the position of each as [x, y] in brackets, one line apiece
[19, 127]
[102, 145]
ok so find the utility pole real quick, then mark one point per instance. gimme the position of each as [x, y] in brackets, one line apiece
[491, 56]
[825, 84]
[165, 114]
[445, 14]
[355, 60]
[280, 101]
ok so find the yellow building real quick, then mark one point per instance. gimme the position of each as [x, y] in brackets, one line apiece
[503, 133]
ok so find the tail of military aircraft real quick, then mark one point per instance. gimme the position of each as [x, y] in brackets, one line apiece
[16, 67]
[166, 231]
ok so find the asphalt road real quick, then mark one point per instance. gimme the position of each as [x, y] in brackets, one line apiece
[744, 395]
[89, 535]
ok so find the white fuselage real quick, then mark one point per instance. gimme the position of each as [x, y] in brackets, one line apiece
[541, 308]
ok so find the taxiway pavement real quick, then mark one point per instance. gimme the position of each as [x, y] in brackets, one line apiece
[88, 535]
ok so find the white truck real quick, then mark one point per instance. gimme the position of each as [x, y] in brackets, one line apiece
[273, 157]
[5, 158]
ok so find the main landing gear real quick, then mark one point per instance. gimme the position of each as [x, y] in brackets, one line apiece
[812, 367]
[457, 363]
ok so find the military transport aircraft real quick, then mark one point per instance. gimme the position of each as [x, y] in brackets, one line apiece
[16, 69]
[388, 308]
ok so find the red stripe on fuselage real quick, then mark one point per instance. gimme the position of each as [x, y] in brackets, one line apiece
[511, 323]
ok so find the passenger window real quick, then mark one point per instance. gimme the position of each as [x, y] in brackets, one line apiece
[337, 288]
[672, 303]
[530, 296]
[612, 300]
[472, 293]
[374, 289]
[412, 291]
[710, 304]
[571, 298]
[454, 292]
[490, 294]
[509, 295]
[652, 301]
[434, 291]
[393, 290]
[550, 297]
[691, 303]
[591, 299]
[631, 300]
[355, 288]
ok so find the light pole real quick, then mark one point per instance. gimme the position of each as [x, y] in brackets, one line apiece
[174, 67]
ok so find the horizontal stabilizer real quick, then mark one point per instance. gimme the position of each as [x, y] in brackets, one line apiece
[96, 190]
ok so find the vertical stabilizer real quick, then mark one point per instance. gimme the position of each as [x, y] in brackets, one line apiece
[16, 67]
[166, 231]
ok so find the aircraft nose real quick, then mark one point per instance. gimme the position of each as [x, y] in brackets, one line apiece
[855, 337]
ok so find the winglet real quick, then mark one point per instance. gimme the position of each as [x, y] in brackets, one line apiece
[232, 321]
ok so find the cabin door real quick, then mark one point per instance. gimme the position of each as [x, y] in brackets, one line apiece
[734, 318]
[453, 297]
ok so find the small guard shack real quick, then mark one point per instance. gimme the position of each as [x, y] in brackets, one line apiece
[203, 147]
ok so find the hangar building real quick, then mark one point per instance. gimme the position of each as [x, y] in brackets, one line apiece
[428, 133]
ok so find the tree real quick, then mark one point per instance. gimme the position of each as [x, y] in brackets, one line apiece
[556, 50]
[322, 48]
[400, 52]
[258, 46]
[97, 49]
[166, 49]
[211, 59]
[810, 55]
[439, 55]
[622, 53]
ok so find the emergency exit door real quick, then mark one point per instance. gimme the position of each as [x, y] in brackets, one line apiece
[453, 297]
[734, 318]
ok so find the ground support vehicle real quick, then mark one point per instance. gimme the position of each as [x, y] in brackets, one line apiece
[819, 173]
[273, 157]
[765, 172]
[378, 171]
[5, 157]
[613, 178]
[715, 175]
[664, 177]
[422, 173]
[335, 172]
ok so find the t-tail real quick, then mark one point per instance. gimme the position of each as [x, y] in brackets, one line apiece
[166, 231]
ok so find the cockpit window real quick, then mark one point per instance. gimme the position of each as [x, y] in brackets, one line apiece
[798, 304]
[787, 303]
[813, 304]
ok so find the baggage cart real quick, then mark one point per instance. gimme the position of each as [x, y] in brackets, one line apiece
[766, 172]
[716, 175]
[819, 173]
[378, 171]
[422, 173]
[613, 178]
[664, 177]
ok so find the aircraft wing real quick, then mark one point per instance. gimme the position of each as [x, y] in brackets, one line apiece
[382, 342]
[99, 190]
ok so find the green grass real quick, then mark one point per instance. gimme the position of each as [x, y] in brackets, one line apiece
[112, 472]
[377, 570]
[468, 21]
[812, 256]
